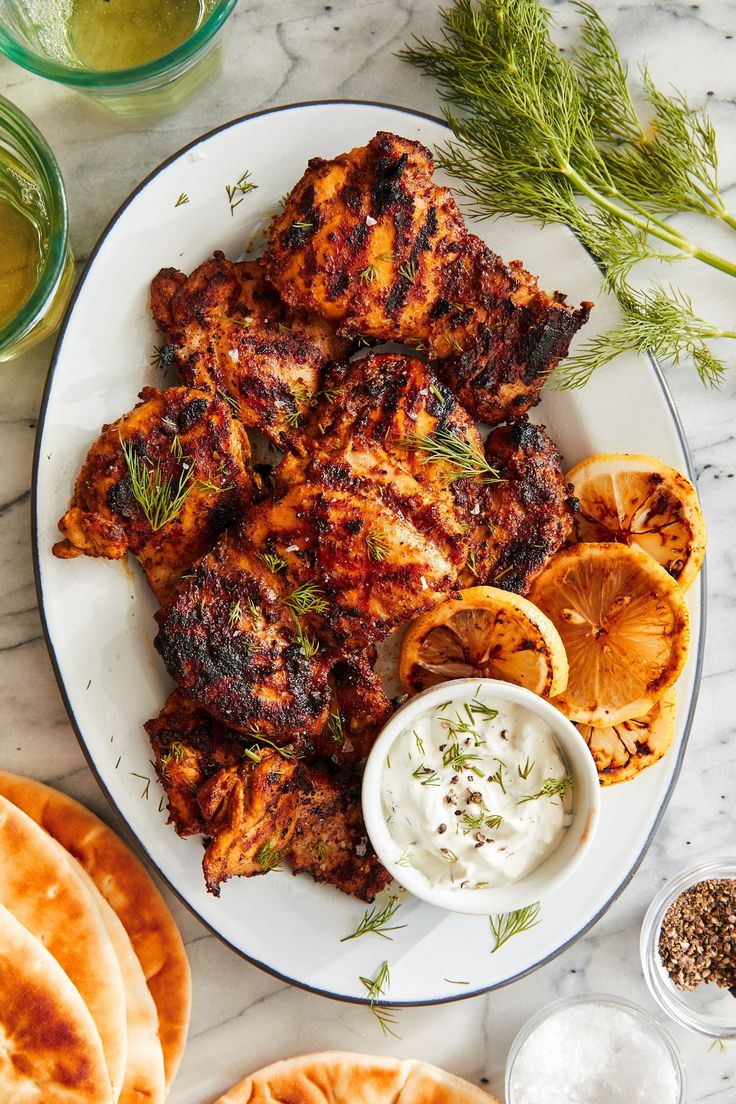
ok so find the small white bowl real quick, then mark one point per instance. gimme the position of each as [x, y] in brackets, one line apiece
[553, 870]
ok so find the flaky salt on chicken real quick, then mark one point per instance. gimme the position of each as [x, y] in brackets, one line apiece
[162, 482]
[227, 330]
[370, 243]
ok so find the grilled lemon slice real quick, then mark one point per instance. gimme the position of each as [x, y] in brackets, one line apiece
[623, 750]
[624, 625]
[639, 500]
[486, 633]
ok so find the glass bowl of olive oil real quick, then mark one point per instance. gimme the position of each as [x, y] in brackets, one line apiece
[134, 56]
[36, 264]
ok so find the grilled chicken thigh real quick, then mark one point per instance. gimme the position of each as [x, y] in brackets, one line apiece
[256, 808]
[162, 482]
[250, 815]
[526, 517]
[358, 711]
[330, 841]
[234, 645]
[228, 331]
[368, 241]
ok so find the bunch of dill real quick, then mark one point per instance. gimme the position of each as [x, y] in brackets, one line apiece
[554, 140]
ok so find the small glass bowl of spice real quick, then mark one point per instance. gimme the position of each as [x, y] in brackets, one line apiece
[688, 948]
[594, 1049]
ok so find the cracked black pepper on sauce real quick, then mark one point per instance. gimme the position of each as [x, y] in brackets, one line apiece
[697, 941]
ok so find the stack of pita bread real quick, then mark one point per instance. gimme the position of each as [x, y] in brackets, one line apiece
[95, 990]
[342, 1078]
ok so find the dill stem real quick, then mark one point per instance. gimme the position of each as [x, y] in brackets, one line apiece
[656, 227]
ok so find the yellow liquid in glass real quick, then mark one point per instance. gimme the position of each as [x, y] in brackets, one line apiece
[119, 34]
[22, 237]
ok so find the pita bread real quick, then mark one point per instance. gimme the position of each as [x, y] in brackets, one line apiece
[145, 1079]
[42, 891]
[353, 1079]
[125, 885]
[51, 1052]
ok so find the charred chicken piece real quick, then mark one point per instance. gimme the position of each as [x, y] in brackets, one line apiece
[250, 814]
[162, 482]
[228, 331]
[232, 643]
[190, 746]
[524, 519]
[358, 711]
[359, 535]
[368, 241]
[330, 841]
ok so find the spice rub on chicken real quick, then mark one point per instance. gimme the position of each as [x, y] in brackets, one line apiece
[162, 483]
[227, 330]
[359, 535]
[517, 523]
[258, 807]
[369, 242]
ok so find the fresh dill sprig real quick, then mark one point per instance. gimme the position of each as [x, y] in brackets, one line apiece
[308, 644]
[404, 858]
[426, 776]
[240, 189]
[536, 133]
[273, 562]
[443, 447]
[376, 988]
[177, 449]
[212, 487]
[408, 271]
[268, 856]
[505, 925]
[437, 393]
[183, 198]
[161, 500]
[476, 822]
[658, 319]
[235, 614]
[498, 776]
[526, 770]
[377, 921]
[551, 787]
[176, 751]
[286, 751]
[144, 778]
[376, 545]
[368, 275]
[458, 760]
[306, 598]
[482, 710]
[336, 728]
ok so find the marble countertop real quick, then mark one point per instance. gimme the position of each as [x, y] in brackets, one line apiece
[276, 52]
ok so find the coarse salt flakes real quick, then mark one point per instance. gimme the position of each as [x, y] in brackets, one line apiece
[592, 1053]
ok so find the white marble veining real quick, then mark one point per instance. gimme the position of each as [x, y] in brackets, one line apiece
[281, 51]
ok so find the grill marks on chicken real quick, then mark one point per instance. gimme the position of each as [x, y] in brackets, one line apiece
[526, 517]
[330, 840]
[368, 241]
[227, 330]
[184, 436]
[229, 639]
[365, 525]
[256, 808]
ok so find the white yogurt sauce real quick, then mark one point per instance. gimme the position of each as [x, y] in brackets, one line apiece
[475, 792]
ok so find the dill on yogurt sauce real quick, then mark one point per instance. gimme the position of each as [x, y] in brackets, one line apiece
[475, 792]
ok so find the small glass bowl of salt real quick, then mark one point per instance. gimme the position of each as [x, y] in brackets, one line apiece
[594, 1049]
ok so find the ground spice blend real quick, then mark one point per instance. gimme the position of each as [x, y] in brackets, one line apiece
[697, 941]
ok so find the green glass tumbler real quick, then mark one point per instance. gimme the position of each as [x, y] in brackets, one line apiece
[36, 263]
[136, 57]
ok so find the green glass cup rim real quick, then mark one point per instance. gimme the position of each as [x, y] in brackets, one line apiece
[25, 137]
[116, 79]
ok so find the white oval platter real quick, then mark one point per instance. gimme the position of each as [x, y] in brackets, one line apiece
[98, 616]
